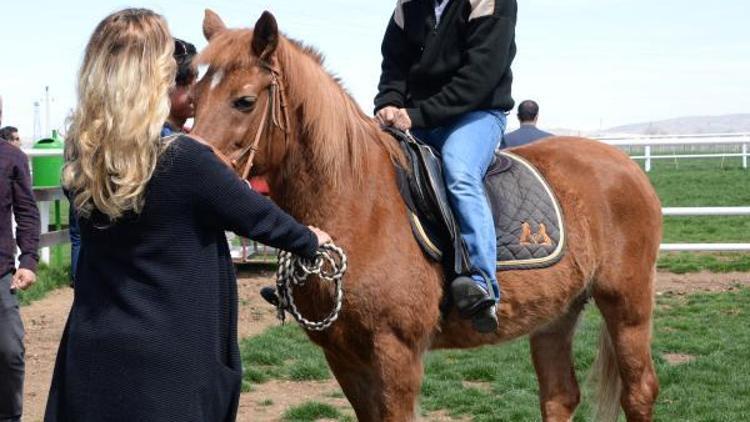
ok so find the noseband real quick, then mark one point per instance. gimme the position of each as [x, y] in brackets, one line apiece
[275, 111]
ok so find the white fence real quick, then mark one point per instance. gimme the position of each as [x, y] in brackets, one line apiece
[739, 140]
[647, 142]
[705, 247]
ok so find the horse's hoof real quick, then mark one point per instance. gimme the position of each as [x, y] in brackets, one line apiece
[470, 297]
[485, 321]
[269, 294]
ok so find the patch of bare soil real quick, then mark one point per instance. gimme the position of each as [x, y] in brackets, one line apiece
[442, 416]
[478, 385]
[680, 284]
[44, 321]
[269, 401]
[675, 359]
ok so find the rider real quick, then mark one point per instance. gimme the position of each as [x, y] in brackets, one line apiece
[446, 76]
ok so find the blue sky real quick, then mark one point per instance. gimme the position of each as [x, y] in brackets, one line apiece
[589, 63]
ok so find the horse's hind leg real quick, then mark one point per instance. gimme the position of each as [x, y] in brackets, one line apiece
[551, 350]
[626, 301]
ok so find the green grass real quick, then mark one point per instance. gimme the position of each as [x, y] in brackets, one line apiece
[695, 183]
[283, 352]
[701, 183]
[683, 262]
[311, 411]
[497, 383]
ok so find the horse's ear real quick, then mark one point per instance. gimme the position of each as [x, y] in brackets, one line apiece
[212, 24]
[265, 36]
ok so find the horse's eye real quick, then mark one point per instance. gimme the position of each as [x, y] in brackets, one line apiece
[244, 104]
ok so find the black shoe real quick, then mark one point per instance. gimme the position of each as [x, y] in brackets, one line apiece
[475, 303]
[269, 294]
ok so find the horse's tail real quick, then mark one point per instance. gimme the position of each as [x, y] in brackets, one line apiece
[606, 377]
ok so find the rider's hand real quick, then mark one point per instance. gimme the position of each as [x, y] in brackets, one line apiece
[322, 236]
[402, 120]
[386, 115]
[23, 279]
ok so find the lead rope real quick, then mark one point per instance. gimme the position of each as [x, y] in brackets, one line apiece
[329, 264]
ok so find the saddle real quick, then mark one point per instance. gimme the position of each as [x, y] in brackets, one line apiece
[528, 218]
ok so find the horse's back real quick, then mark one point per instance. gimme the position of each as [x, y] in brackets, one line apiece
[600, 175]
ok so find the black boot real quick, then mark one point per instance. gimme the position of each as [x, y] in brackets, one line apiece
[269, 294]
[475, 303]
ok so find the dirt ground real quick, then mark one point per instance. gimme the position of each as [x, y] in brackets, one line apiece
[45, 320]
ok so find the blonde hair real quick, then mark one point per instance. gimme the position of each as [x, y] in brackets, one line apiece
[113, 141]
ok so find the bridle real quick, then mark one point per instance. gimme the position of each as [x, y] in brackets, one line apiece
[276, 107]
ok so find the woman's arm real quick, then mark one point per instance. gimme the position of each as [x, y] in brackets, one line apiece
[225, 199]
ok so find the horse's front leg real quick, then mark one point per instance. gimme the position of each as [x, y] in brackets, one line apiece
[385, 385]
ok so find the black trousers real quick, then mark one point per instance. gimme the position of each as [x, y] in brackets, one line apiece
[11, 354]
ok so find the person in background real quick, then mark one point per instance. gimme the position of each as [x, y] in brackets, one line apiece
[10, 134]
[16, 199]
[528, 113]
[152, 332]
[181, 103]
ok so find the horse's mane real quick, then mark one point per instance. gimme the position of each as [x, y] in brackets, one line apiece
[339, 133]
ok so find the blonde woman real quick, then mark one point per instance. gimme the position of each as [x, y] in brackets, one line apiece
[152, 334]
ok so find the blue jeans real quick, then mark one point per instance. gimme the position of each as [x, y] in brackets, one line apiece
[467, 146]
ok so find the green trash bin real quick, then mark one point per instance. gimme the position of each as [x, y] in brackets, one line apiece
[46, 170]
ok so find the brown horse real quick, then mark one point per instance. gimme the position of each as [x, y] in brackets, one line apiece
[330, 165]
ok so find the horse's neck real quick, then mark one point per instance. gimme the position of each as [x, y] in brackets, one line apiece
[308, 193]
[305, 187]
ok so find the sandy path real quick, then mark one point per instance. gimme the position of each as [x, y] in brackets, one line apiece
[45, 320]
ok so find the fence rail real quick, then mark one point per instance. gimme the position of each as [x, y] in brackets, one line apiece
[741, 140]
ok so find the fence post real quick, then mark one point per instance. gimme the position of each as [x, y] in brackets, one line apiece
[647, 153]
[44, 210]
[744, 156]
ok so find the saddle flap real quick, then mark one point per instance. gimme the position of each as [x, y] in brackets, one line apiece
[428, 195]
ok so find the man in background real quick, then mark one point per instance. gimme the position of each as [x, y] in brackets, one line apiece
[528, 113]
[16, 199]
[10, 134]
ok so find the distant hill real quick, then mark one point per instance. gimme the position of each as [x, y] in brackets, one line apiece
[728, 123]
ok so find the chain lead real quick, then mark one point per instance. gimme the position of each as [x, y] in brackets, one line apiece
[329, 264]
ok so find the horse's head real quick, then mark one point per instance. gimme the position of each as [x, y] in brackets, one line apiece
[240, 100]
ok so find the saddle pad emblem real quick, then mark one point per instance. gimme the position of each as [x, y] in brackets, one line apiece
[529, 238]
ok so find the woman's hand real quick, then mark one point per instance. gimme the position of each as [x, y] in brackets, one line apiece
[322, 236]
